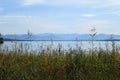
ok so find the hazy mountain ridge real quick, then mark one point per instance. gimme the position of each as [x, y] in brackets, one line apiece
[49, 36]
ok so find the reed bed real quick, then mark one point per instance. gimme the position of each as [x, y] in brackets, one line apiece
[57, 64]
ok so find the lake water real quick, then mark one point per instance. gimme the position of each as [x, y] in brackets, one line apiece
[65, 45]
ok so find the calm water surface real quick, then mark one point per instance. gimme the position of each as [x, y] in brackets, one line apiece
[37, 45]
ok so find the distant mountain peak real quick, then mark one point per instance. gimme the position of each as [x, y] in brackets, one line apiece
[49, 36]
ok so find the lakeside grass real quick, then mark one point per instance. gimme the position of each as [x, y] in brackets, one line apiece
[56, 64]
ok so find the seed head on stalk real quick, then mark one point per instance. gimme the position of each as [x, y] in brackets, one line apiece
[92, 35]
[93, 32]
[29, 35]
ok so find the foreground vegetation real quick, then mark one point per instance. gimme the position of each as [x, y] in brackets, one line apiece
[55, 64]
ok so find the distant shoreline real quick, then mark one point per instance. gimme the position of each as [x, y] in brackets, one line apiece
[61, 40]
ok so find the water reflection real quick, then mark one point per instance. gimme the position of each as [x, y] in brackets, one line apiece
[64, 45]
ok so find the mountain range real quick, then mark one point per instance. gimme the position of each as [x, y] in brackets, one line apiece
[59, 37]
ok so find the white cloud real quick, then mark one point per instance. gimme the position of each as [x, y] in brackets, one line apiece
[108, 6]
[14, 24]
[108, 3]
[14, 19]
[115, 13]
[32, 2]
[20, 24]
[88, 15]
[60, 2]
[14, 16]
[93, 3]
[44, 25]
[70, 2]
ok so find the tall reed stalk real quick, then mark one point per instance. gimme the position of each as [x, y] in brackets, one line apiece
[55, 64]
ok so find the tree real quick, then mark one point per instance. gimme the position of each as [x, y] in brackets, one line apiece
[1, 39]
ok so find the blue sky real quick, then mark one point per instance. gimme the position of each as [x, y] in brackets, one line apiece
[63, 16]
